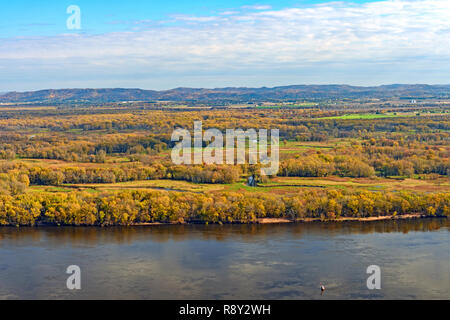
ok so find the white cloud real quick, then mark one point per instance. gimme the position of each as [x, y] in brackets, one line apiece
[257, 7]
[250, 41]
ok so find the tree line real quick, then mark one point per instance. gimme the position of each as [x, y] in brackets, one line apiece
[134, 207]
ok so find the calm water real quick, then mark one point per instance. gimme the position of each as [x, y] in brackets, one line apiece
[229, 262]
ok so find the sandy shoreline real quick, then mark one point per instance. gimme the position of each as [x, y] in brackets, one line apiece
[302, 220]
[342, 219]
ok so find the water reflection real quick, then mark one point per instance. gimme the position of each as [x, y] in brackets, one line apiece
[90, 236]
[230, 261]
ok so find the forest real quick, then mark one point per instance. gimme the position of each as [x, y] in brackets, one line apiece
[110, 164]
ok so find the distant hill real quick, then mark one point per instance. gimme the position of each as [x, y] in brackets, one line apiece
[285, 93]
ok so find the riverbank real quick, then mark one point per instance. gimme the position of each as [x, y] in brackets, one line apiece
[302, 220]
[257, 221]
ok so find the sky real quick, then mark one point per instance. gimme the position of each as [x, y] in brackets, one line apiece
[217, 43]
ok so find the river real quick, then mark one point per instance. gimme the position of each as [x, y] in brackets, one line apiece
[229, 262]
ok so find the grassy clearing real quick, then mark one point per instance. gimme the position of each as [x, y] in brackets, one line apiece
[278, 185]
[7, 107]
[170, 185]
[375, 184]
[110, 162]
[297, 105]
[49, 189]
[368, 116]
[299, 147]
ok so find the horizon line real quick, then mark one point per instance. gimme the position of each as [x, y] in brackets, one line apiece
[226, 87]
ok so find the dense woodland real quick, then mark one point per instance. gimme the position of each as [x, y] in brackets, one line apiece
[126, 208]
[64, 147]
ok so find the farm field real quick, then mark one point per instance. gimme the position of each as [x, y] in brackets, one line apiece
[368, 116]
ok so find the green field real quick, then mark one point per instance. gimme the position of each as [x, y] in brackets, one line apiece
[368, 116]
[297, 105]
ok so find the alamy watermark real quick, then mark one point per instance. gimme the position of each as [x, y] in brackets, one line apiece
[73, 22]
[74, 280]
[191, 151]
[374, 281]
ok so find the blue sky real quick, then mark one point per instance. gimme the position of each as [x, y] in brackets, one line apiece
[165, 44]
[48, 17]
